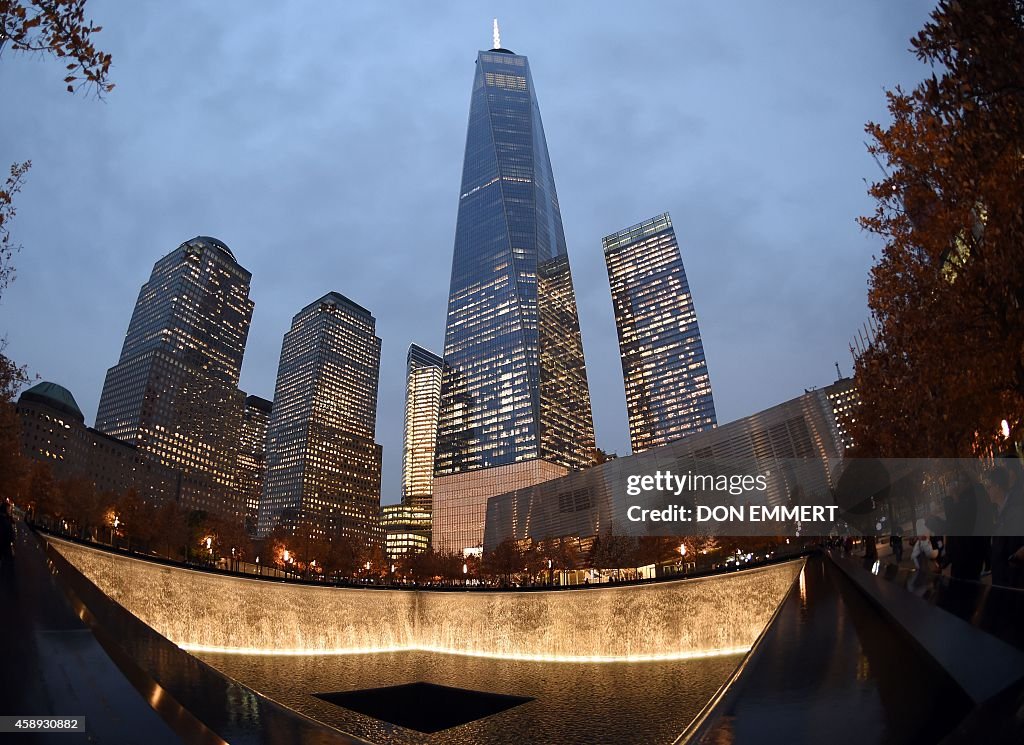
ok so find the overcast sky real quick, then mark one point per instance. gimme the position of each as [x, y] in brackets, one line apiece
[323, 143]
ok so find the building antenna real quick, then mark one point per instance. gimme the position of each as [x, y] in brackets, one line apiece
[497, 35]
[839, 375]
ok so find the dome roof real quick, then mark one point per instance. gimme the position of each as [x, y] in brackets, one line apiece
[210, 241]
[56, 397]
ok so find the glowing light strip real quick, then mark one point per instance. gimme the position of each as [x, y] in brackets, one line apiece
[667, 656]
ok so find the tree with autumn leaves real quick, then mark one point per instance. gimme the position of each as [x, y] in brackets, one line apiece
[946, 365]
[58, 28]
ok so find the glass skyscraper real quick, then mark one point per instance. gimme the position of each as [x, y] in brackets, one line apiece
[514, 397]
[419, 441]
[252, 456]
[174, 391]
[517, 386]
[323, 466]
[668, 391]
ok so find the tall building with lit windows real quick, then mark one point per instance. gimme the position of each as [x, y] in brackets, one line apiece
[419, 441]
[252, 456]
[844, 401]
[515, 405]
[323, 466]
[668, 391]
[174, 391]
[406, 530]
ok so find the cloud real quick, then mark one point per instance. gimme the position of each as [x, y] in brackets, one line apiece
[324, 145]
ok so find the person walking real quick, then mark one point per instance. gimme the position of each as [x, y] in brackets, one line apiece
[896, 544]
[6, 538]
[1007, 557]
[965, 553]
[924, 554]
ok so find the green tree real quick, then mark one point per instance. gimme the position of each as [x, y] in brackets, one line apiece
[611, 551]
[84, 506]
[42, 491]
[503, 562]
[234, 539]
[171, 530]
[138, 519]
[947, 363]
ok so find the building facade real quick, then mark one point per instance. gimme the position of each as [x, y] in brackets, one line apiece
[252, 456]
[515, 387]
[406, 530]
[174, 391]
[323, 466]
[668, 391]
[845, 403]
[797, 444]
[53, 431]
[419, 439]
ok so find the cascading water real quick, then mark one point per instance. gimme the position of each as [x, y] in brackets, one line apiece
[200, 611]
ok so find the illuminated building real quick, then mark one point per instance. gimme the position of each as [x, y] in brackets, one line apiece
[323, 466]
[668, 392]
[174, 391]
[53, 431]
[419, 441]
[252, 456]
[514, 394]
[797, 443]
[844, 401]
[406, 530]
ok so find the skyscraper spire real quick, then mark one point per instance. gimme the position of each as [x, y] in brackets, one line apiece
[497, 35]
[515, 405]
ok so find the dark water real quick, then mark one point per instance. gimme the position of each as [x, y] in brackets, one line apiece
[649, 702]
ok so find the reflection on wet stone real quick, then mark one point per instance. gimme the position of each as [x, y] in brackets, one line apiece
[649, 702]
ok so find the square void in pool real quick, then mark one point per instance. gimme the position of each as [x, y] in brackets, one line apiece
[424, 707]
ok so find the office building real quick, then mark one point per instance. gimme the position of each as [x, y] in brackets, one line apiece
[174, 391]
[252, 456]
[668, 391]
[406, 530]
[419, 440]
[797, 445]
[845, 402]
[514, 395]
[53, 431]
[323, 466]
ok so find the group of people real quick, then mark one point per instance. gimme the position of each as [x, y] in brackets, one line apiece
[982, 522]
